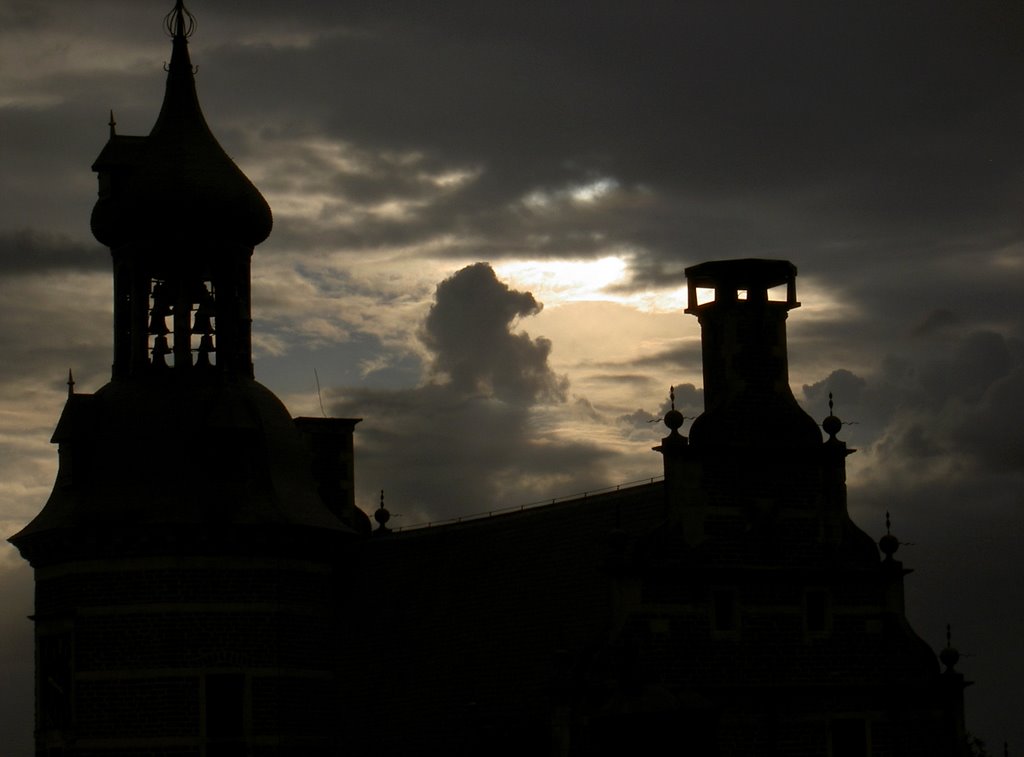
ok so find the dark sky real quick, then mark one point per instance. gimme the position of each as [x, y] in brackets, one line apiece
[533, 177]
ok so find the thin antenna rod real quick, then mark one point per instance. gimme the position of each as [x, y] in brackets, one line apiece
[319, 396]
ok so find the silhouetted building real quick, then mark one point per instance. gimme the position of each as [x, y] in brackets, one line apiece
[206, 586]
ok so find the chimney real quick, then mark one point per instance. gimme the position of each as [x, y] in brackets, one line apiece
[742, 307]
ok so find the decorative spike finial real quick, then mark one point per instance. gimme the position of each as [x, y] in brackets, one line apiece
[889, 544]
[112, 124]
[949, 656]
[71, 383]
[382, 516]
[673, 418]
[831, 425]
[179, 23]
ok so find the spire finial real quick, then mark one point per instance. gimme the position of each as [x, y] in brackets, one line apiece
[889, 544]
[949, 656]
[382, 516]
[673, 418]
[179, 23]
[112, 124]
[71, 383]
[832, 425]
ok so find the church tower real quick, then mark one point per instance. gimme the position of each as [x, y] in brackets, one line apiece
[187, 558]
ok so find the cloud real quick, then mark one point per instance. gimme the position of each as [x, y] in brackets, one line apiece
[16, 641]
[469, 330]
[469, 439]
[876, 145]
[926, 417]
[30, 250]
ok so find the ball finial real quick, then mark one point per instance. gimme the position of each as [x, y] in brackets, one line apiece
[673, 418]
[381, 515]
[888, 543]
[832, 425]
[949, 656]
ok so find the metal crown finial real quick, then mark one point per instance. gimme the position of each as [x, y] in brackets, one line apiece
[179, 23]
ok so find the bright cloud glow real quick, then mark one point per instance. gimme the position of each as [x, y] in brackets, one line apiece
[593, 191]
[586, 193]
[556, 282]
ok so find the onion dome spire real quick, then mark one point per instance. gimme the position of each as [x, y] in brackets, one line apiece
[177, 183]
[181, 221]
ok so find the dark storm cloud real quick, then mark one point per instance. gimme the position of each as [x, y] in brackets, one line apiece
[848, 115]
[623, 379]
[942, 450]
[466, 442]
[32, 251]
[927, 412]
[688, 355]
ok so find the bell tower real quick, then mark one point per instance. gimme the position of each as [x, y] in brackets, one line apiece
[181, 221]
[188, 559]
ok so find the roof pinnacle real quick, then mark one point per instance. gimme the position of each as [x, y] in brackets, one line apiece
[382, 516]
[673, 418]
[949, 656]
[889, 544]
[179, 23]
[831, 425]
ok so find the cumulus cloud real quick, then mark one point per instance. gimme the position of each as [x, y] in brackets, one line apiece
[469, 439]
[469, 330]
